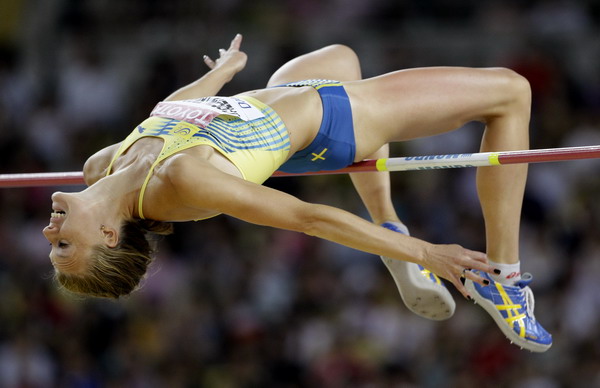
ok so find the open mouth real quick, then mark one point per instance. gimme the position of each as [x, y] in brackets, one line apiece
[57, 214]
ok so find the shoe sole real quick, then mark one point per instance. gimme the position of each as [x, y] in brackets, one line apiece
[419, 294]
[513, 337]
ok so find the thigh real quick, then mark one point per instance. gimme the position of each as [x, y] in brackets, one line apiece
[337, 62]
[414, 103]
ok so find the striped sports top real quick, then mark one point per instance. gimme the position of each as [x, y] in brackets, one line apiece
[246, 131]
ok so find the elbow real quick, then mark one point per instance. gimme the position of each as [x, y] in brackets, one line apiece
[308, 220]
[89, 171]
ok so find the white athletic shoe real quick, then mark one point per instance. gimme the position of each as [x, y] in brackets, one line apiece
[421, 290]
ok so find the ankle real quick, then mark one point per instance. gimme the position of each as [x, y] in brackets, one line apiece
[509, 273]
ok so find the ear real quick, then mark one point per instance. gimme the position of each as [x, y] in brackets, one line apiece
[111, 236]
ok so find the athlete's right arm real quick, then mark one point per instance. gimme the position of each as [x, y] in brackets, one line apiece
[230, 62]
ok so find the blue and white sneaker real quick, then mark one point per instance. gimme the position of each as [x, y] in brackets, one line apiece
[421, 290]
[512, 309]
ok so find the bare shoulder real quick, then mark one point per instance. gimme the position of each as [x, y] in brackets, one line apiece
[192, 178]
[97, 164]
[186, 188]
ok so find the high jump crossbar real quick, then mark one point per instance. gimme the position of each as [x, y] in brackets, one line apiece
[406, 163]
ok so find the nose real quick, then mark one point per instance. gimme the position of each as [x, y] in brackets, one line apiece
[61, 201]
[49, 232]
[57, 195]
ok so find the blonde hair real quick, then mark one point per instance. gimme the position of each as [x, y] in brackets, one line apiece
[115, 272]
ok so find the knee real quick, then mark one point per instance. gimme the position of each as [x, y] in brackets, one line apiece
[341, 50]
[517, 87]
[345, 60]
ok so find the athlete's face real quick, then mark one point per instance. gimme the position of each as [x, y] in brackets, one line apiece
[72, 232]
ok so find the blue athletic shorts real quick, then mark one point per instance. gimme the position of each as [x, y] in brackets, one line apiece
[334, 146]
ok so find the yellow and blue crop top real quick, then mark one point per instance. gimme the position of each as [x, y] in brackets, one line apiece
[247, 132]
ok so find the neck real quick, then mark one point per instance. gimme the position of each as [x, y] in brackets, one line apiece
[117, 193]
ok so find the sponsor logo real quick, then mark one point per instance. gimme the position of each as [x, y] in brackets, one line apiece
[438, 157]
[445, 166]
[184, 112]
[202, 111]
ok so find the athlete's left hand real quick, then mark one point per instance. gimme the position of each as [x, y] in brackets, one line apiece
[231, 60]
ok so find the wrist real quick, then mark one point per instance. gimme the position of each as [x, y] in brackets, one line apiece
[422, 252]
[217, 75]
[223, 74]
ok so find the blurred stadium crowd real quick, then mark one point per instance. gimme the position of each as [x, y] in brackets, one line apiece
[235, 305]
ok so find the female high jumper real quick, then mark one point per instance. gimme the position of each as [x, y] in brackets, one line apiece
[199, 156]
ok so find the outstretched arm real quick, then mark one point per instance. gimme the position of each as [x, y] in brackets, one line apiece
[230, 62]
[261, 205]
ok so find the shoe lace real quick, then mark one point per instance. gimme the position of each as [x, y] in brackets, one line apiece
[530, 300]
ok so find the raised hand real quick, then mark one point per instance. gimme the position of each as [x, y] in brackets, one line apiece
[231, 60]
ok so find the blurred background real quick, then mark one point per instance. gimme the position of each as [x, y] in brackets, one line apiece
[229, 304]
